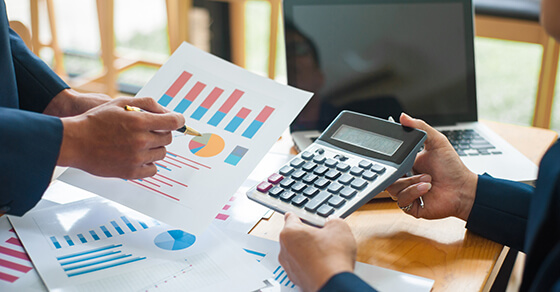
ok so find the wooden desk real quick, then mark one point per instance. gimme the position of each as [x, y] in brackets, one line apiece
[442, 250]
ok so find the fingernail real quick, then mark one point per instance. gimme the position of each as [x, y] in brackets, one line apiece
[424, 187]
[426, 178]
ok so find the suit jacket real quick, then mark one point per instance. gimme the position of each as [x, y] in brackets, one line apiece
[29, 141]
[516, 215]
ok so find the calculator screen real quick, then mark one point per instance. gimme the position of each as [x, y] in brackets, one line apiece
[367, 140]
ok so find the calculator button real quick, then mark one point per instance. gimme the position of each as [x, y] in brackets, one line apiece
[336, 201]
[331, 162]
[297, 162]
[332, 174]
[307, 155]
[320, 151]
[310, 178]
[359, 184]
[341, 157]
[275, 191]
[298, 174]
[325, 210]
[287, 182]
[356, 171]
[275, 178]
[309, 166]
[365, 164]
[378, 168]
[299, 187]
[343, 166]
[287, 196]
[322, 183]
[299, 200]
[314, 203]
[264, 186]
[321, 170]
[320, 159]
[286, 170]
[335, 188]
[348, 192]
[369, 175]
[346, 179]
[311, 191]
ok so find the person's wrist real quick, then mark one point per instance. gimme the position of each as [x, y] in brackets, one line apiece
[68, 149]
[62, 104]
[467, 194]
[327, 272]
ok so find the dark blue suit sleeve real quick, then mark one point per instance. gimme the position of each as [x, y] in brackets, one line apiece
[346, 282]
[500, 211]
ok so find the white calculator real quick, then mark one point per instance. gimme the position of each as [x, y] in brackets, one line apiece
[354, 159]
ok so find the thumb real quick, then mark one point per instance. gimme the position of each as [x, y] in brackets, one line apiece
[291, 220]
[433, 135]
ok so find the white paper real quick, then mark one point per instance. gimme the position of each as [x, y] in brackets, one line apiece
[200, 174]
[98, 245]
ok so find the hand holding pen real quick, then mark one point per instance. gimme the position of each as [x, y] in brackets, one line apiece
[184, 129]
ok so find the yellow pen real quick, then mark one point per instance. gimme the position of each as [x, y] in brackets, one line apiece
[184, 129]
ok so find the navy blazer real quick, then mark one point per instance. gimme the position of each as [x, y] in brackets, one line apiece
[30, 141]
[516, 215]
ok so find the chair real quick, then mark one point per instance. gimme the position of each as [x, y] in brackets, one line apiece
[518, 20]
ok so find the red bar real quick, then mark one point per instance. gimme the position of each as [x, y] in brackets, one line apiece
[14, 241]
[222, 217]
[8, 278]
[264, 114]
[243, 113]
[14, 253]
[165, 177]
[226, 207]
[178, 84]
[152, 183]
[231, 101]
[195, 91]
[190, 160]
[212, 97]
[159, 180]
[149, 188]
[182, 162]
[15, 266]
[172, 163]
[232, 199]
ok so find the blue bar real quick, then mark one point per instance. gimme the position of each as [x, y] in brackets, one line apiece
[232, 159]
[183, 106]
[158, 165]
[105, 267]
[122, 256]
[107, 233]
[275, 271]
[216, 118]
[82, 238]
[117, 227]
[143, 225]
[165, 100]
[55, 242]
[88, 252]
[90, 258]
[234, 124]
[252, 130]
[255, 252]
[199, 113]
[130, 226]
[69, 240]
[279, 275]
[94, 235]
[284, 278]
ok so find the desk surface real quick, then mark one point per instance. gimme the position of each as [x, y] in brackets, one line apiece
[442, 250]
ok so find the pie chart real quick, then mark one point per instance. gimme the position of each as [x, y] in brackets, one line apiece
[207, 145]
[174, 240]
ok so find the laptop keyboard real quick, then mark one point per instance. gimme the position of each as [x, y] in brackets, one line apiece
[470, 143]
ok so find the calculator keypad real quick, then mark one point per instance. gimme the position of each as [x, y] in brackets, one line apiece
[320, 183]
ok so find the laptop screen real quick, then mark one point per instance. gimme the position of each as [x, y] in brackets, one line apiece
[382, 57]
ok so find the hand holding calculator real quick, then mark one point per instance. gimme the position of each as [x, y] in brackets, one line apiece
[355, 158]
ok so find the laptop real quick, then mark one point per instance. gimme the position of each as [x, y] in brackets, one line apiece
[384, 57]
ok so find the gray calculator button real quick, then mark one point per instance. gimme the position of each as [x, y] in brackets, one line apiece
[286, 170]
[356, 171]
[369, 175]
[332, 174]
[359, 184]
[346, 179]
[365, 164]
[335, 188]
[275, 191]
[307, 155]
[331, 162]
[297, 162]
[378, 168]
[320, 170]
[325, 210]
[343, 166]
[320, 159]
[299, 200]
[299, 187]
[311, 191]
[287, 196]
[320, 151]
[314, 203]
[310, 178]
[298, 174]
[322, 183]
[287, 182]
[336, 201]
[348, 192]
[309, 166]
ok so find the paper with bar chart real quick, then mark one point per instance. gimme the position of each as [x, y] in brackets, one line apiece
[99, 245]
[240, 116]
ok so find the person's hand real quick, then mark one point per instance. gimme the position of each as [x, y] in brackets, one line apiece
[71, 103]
[446, 185]
[109, 141]
[311, 256]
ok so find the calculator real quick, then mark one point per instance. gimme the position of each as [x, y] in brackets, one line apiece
[355, 158]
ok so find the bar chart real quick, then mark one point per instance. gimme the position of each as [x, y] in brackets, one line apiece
[170, 94]
[14, 262]
[235, 156]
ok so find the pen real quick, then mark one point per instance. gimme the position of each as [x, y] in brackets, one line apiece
[184, 129]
